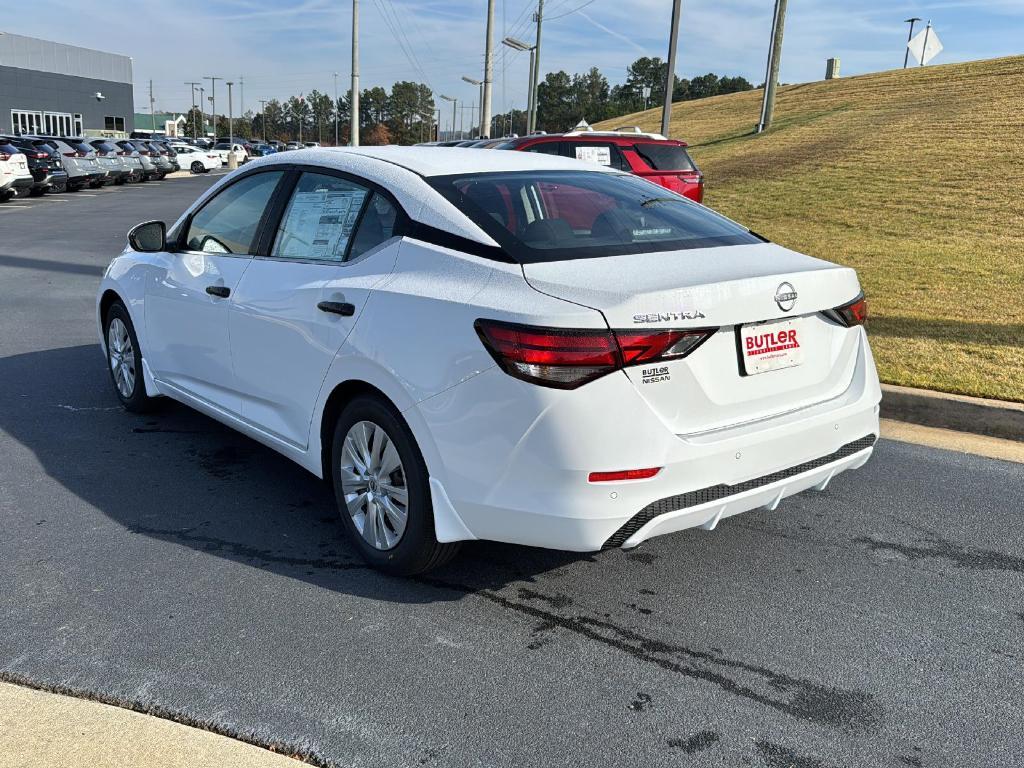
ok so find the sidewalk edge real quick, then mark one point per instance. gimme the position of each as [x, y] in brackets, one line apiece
[994, 418]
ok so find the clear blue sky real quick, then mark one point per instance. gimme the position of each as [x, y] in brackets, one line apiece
[286, 46]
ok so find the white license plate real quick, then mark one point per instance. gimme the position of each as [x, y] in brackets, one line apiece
[772, 345]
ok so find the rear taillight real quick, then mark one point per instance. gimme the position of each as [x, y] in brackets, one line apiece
[854, 313]
[4, 156]
[40, 155]
[144, 153]
[568, 358]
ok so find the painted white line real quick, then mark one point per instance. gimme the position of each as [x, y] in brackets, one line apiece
[86, 194]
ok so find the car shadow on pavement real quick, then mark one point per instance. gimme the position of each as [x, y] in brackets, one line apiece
[179, 477]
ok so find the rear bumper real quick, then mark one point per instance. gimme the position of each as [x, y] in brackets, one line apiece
[524, 478]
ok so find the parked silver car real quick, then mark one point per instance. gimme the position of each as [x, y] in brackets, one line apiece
[136, 150]
[79, 161]
[108, 155]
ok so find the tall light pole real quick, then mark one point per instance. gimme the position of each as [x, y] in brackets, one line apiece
[771, 79]
[906, 51]
[485, 99]
[480, 85]
[455, 103]
[354, 105]
[539, 18]
[519, 45]
[232, 160]
[263, 118]
[241, 96]
[335, 109]
[670, 73]
[202, 110]
[213, 100]
[194, 134]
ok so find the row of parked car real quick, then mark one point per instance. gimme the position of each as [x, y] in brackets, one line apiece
[649, 155]
[34, 165]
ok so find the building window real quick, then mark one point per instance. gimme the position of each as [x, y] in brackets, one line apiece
[78, 125]
[26, 121]
[111, 123]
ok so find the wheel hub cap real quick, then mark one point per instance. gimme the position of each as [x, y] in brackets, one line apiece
[374, 485]
[122, 357]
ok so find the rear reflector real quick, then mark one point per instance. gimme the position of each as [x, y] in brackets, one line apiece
[854, 313]
[567, 358]
[624, 474]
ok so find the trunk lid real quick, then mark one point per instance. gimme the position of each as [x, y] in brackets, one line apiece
[726, 289]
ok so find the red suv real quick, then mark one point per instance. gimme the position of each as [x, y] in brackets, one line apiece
[650, 155]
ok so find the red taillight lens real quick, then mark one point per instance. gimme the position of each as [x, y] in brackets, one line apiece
[854, 313]
[568, 358]
[625, 474]
[4, 156]
[72, 154]
[40, 155]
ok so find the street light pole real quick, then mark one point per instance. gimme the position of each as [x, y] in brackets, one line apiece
[263, 118]
[213, 100]
[194, 134]
[202, 111]
[335, 109]
[485, 97]
[670, 74]
[455, 103]
[906, 50]
[354, 105]
[472, 81]
[519, 45]
[232, 160]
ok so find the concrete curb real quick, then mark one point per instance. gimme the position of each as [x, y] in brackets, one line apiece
[995, 418]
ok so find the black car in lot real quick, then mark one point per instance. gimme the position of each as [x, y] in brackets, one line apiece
[48, 174]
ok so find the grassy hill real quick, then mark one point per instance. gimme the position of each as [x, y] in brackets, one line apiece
[915, 178]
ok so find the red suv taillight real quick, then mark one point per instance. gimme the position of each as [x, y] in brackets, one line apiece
[854, 313]
[567, 358]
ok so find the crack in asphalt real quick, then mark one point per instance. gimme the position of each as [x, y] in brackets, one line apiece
[962, 557]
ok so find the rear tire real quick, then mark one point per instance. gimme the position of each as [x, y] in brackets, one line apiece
[124, 360]
[375, 466]
[198, 167]
[36, 192]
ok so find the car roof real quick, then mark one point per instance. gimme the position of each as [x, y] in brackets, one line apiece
[444, 161]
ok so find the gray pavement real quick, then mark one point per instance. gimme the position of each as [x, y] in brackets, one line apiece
[167, 564]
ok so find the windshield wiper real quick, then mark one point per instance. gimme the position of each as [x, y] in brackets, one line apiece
[653, 200]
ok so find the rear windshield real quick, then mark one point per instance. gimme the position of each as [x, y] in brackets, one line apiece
[9, 149]
[665, 157]
[559, 215]
[102, 146]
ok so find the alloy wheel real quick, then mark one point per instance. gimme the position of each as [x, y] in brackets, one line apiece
[374, 485]
[121, 354]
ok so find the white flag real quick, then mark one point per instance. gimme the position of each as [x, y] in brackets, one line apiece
[925, 45]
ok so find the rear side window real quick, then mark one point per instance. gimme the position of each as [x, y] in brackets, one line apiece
[607, 155]
[665, 157]
[545, 148]
[378, 224]
[228, 222]
[320, 217]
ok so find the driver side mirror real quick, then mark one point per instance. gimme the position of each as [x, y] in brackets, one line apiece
[148, 237]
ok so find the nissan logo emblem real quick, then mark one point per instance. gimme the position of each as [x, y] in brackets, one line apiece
[785, 297]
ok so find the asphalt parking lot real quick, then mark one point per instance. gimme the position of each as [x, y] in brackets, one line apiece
[166, 563]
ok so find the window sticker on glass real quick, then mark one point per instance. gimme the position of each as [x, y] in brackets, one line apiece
[320, 221]
[599, 155]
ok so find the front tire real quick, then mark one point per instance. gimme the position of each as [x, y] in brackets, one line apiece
[382, 489]
[124, 360]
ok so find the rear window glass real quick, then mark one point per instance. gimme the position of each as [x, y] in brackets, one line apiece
[560, 215]
[665, 157]
[103, 146]
[9, 149]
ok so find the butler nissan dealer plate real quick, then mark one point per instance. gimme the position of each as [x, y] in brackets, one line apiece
[771, 346]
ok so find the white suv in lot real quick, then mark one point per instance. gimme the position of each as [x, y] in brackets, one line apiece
[496, 345]
[15, 175]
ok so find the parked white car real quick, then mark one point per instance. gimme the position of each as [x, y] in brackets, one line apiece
[496, 345]
[15, 175]
[223, 151]
[197, 160]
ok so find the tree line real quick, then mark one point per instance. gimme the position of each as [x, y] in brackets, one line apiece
[407, 113]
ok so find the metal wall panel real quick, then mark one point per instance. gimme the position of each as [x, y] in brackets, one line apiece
[60, 59]
[48, 92]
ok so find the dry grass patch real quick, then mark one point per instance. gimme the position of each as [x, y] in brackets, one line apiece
[915, 178]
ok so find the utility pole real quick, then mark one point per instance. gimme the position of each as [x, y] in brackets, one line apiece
[906, 50]
[485, 100]
[241, 96]
[152, 114]
[771, 79]
[354, 106]
[335, 109]
[202, 111]
[232, 160]
[670, 74]
[302, 115]
[194, 134]
[213, 101]
[539, 17]
[263, 118]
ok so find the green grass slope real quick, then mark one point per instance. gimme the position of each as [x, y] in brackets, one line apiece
[913, 177]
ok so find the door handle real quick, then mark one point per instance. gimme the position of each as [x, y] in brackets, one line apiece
[219, 291]
[342, 308]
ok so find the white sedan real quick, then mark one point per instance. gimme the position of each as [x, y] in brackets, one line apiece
[496, 345]
[224, 151]
[197, 160]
